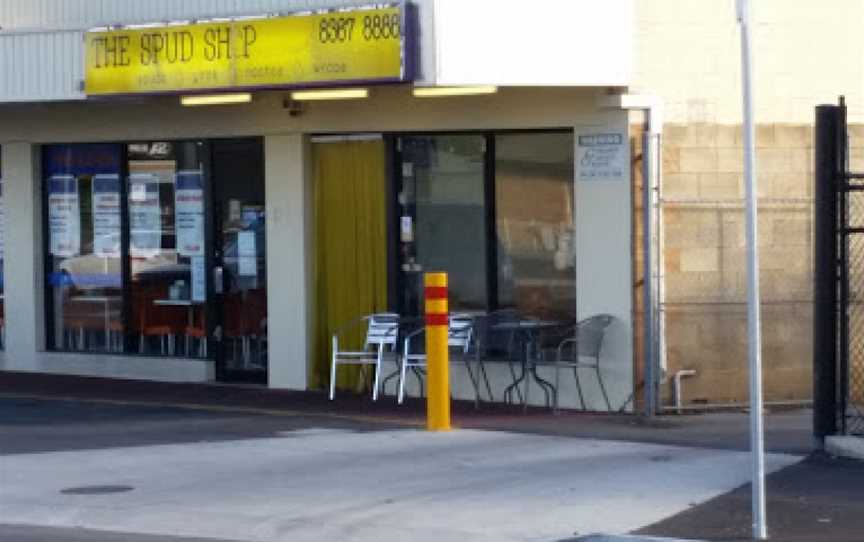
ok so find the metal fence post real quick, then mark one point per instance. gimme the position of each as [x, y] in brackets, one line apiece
[825, 302]
[651, 377]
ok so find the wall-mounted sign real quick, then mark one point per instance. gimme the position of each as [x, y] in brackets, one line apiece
[335, 47]
[64, 216]
[189, 213]
[601, 157]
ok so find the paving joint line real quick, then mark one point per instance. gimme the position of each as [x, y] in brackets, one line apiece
[221, 408]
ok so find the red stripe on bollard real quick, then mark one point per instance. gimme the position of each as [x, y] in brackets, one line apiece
[435, 292]
[436, 319]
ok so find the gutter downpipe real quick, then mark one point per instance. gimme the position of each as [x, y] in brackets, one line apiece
[652, 236]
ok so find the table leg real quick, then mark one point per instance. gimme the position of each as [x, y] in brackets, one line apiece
[514, 387]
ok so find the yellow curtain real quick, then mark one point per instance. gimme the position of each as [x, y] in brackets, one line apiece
[350, 247]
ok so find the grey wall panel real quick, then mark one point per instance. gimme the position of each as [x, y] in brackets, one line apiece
[41, 66]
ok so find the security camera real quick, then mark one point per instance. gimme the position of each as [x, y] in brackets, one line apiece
[294, 108]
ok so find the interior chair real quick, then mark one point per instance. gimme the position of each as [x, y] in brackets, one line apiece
[582, 350]
[163, 322]
[235, 328]
[196, 331]
[382, 333]
[256, 324]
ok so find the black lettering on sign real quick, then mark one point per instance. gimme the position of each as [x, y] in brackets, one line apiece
[167, 47]
[217, 43]
[111, 51]
[335, 29]
[250, 36]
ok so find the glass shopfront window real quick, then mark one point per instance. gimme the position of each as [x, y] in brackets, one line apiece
[493, 210]
[534, 224]
[443, 215]
[82, 184]
[158, 248]
[165, 198]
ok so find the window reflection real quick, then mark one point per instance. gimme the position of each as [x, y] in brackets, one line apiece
[84, 279]
[166, 248]
[443, 217]
[534, 224]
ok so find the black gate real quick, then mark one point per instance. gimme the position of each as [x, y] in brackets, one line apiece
[838, 318]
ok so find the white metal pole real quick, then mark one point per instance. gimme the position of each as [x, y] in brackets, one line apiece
[757, 442]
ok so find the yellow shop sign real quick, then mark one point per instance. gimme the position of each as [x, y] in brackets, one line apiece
[320, 49]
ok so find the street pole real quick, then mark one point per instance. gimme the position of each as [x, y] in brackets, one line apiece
[757, 438]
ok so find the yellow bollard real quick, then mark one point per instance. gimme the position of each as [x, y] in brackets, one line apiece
[437, 352]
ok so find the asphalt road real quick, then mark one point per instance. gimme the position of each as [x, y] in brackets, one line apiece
[30, 425]
[24, 533]
[820, 499]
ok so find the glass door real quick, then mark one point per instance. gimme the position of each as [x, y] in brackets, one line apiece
[239, 311]
[443, 219]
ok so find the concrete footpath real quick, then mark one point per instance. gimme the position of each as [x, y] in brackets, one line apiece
[234, 465]
[337, 484]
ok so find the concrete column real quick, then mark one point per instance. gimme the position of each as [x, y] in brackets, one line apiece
[604, 272]
[289, 212]
[23, 273]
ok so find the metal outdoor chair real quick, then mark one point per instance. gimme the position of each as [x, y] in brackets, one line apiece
[460, 340]
[581, 351]
[382, 333]
[499, 346]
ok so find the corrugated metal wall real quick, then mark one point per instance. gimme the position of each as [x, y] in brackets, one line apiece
[41, 66]
[82, 14]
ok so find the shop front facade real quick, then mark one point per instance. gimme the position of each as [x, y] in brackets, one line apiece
[152, 240]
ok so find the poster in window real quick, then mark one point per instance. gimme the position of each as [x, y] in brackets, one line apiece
[247, 256]
[145, 215]
[106, 215]
[189, 212]
[199, 279]
[64, 216]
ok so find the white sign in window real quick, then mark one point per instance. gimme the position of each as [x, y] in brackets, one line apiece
[64, 216]
[145, 215]
[189, 212]
[247, 256]
[106, 215]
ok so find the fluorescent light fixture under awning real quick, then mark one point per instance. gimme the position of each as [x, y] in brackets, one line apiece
[216, 99]
[330, 94]
[435, 92]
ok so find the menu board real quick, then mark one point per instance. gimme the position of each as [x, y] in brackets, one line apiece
[189, 212]
[145, 215]
[64, 216]
[199, 278]
[106, 215]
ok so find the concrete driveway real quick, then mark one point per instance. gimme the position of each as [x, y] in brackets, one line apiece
[325, 483]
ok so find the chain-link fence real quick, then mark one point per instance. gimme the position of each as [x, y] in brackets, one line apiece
[704, 304]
